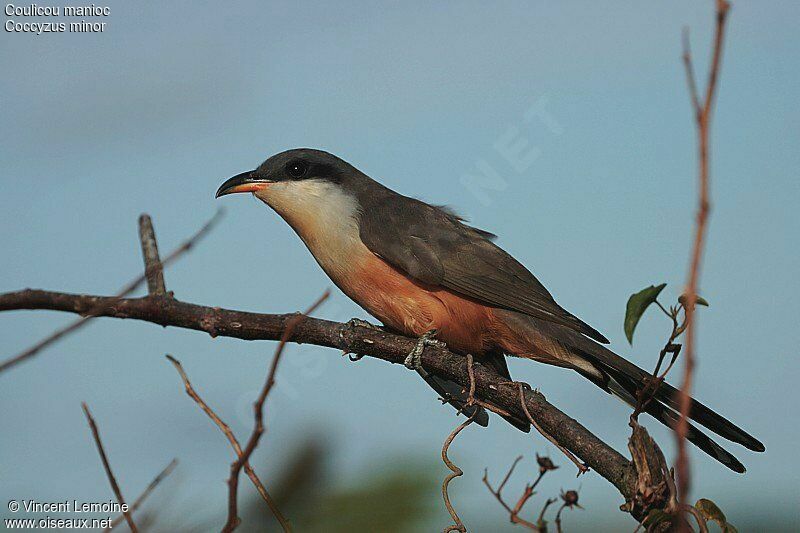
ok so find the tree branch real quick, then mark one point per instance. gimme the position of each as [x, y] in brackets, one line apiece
[126, 290]
[351, 338]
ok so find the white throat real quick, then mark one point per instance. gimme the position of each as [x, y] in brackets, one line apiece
[324, 216]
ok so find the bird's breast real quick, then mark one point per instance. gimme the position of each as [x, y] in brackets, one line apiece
[326, 219]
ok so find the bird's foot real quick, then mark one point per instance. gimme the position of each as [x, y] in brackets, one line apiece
[353, 356]
[524, 385]
[357, 322]
[414, 359]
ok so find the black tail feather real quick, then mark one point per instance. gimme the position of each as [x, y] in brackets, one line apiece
[708, 418]
[670, 418]
[633, 378]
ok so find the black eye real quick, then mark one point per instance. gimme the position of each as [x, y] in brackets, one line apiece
[297, 169]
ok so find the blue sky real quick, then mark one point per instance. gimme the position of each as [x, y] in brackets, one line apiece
[173, 98]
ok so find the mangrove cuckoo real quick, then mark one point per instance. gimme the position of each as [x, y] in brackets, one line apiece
[420, 269]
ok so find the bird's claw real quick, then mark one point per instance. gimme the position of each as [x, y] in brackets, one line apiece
[357, 322]
[414, 359]
[525, 386]
[353, 323]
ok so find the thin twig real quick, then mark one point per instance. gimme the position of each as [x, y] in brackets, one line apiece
[558, 517]
[473, 400]
[701, 523]
[455, 472]
[508, 475]
[697, 107]
[234, 442]
[153, 269]
[113, 480]
[645, 395]
[143, 496]
[582, 468]
[127, 289]
[258, 410]
[703, 121]
[527, 493]
[570, 499]
[548, 503]
[498, 493]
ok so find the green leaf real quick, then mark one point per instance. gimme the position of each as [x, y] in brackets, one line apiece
[637, 304]
[683, 298]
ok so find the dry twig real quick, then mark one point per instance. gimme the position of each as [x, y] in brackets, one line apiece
[153, 269]
[702, 110]
[455, 472]
[113, 480]
[234, 442]
[143, 496]
[513, 513]
[473, 400]
[646, 394]
[93, 311]
[258, 410]
[582, 468]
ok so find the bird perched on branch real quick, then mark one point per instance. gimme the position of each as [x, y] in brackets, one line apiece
[422, 271]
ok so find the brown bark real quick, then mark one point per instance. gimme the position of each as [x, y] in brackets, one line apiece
[215, 321]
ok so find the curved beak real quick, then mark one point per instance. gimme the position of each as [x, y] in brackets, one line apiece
[244, 182]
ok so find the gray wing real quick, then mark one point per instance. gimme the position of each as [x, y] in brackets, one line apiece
[435, 246]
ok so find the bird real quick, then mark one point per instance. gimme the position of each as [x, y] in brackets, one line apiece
[425, 272]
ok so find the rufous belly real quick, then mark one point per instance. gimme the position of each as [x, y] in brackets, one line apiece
[414, 308]
[463, 324]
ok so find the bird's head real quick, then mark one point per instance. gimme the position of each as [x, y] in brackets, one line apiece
[298, 184]
[288, 168]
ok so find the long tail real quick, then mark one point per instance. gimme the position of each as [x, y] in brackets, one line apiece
[625, 379]
[670, 418]
[530, 337]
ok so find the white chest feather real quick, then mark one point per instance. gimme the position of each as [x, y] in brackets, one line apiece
[324, 217]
